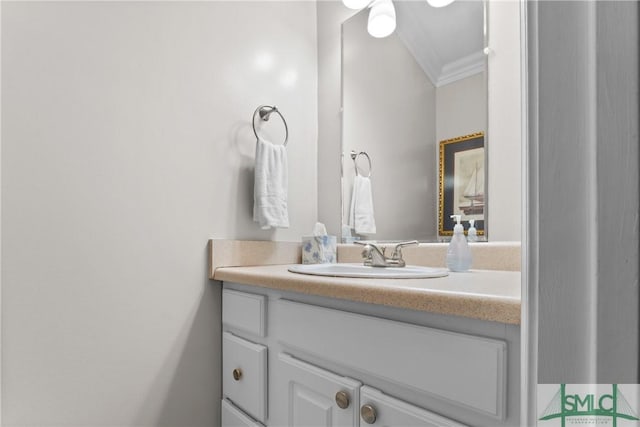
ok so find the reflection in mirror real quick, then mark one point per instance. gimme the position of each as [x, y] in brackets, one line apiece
[402, 94]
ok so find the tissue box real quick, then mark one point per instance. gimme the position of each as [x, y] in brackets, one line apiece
[319, 249]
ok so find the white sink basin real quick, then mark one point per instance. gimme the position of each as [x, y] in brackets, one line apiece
[359, 270]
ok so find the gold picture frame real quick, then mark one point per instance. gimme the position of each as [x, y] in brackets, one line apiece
[461, 183]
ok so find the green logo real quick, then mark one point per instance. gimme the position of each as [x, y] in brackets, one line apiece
[613, 405]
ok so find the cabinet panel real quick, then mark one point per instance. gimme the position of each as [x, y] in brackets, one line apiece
[244, 311]
[463, 369]
[234, 417]
[313, 396]
[244, 374]
[383, 410]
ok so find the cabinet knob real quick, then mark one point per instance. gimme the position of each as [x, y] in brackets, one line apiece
[368, 414]
[342, 399]
[237, 374]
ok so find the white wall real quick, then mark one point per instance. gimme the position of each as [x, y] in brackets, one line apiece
[504, 130]
[390, 113]
[125, 146]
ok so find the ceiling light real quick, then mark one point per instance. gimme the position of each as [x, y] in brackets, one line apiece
[356, 4]
[439, 3]
[382, 18]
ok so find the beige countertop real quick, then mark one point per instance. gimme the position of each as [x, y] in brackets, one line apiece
[478, 294]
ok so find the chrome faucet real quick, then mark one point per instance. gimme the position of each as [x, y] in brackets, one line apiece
[374, 255]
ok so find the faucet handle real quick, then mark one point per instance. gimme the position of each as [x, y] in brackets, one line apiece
[373, 254]
[366, 251]
[397, 250]
[368, 245]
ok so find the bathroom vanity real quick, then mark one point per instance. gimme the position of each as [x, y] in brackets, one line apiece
[301, 350]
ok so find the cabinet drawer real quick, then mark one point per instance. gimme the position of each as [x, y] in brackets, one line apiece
[381, 410]
[244, 311]
[234, 417]
[462, 369]
[244, 375]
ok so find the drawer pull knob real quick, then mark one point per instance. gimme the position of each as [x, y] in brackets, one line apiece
[368, 414]
[342, 399]
[237, 374]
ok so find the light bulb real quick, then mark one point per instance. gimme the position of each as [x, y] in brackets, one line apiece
[356, 4]
[382, 18]
[439, 3]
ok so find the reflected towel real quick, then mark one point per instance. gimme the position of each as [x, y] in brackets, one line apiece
[361, 217]
[270, 186]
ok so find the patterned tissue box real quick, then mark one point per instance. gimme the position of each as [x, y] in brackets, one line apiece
[319, 249]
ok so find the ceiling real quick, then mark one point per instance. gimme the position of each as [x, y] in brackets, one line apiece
[447, 42]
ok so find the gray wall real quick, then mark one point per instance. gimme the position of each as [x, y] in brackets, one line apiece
[583, 192]
[390, 113]
[331, 14]
[461, 107]
[126, 145]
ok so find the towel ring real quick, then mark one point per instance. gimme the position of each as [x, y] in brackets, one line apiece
[354, 157]
[264, 111]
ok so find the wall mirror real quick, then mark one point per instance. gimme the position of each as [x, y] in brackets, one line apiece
[401, 96]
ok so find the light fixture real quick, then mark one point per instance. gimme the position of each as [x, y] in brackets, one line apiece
[439, 3]
[382, 18]
[356, 4]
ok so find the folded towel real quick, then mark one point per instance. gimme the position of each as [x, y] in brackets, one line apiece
[270, 186]
[361, 213]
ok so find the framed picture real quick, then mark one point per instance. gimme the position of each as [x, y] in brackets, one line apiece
[462, 188]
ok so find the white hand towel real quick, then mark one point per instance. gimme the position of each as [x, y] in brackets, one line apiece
[270, 186]
[361, 217]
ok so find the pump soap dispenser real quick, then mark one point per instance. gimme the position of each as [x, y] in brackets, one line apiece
[458, 252]
[472, 233]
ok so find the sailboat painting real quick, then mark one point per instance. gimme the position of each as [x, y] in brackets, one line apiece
[468, 190]
[462, 188]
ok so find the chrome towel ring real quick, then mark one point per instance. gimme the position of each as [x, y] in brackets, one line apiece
[264, 111]
[354, 157]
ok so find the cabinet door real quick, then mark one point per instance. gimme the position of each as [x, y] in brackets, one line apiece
[234, 417]
[316, 397]
[378, 409]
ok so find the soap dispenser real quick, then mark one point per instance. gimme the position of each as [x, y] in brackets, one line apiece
[472, 233]
[458, 252]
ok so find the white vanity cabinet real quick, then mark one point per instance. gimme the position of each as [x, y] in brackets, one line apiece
[312, 361]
